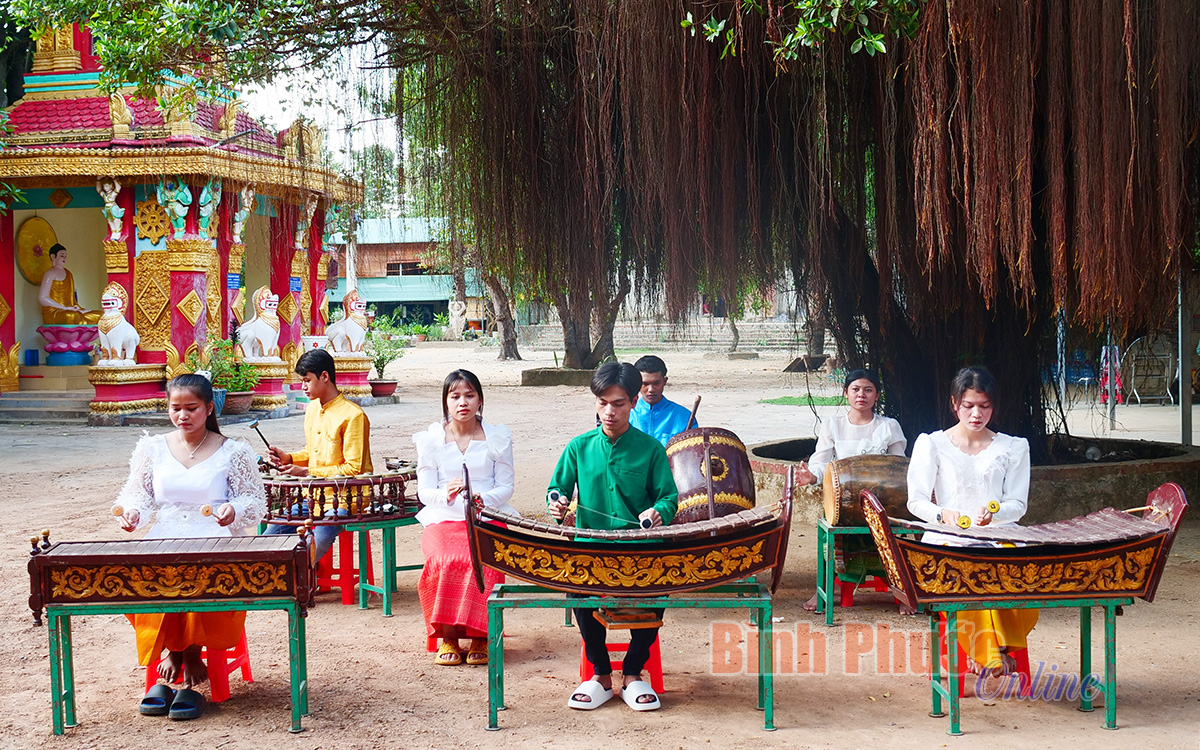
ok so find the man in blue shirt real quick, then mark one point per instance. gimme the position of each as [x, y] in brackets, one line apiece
[654, 414]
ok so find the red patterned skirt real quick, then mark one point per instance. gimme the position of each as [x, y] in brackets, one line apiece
[447, 587]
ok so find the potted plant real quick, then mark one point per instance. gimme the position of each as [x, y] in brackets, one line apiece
[233, 381]
[420, 331]
[384, 346]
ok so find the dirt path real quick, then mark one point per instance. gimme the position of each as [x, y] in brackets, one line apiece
[373, 685]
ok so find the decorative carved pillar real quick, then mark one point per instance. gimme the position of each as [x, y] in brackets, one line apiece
[10, 348]
[190, 261]
[237, 253]
[318, 273]
[286, 284]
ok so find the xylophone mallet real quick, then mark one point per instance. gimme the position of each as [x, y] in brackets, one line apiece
[206, 510]
[254, 425]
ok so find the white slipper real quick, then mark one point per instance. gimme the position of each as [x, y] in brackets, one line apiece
[593, 690]
[636, 689]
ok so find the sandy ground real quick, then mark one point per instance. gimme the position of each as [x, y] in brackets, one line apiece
[373, 684]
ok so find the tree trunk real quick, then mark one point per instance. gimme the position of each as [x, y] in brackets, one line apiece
[574, 314]
[503, 316]
[814, 340]
[604, 319]
[737, 336]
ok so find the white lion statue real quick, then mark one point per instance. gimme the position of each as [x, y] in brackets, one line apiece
[118, 338]
[258, 337]
[349, 334]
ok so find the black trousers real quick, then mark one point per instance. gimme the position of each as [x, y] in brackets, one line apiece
[595, 642]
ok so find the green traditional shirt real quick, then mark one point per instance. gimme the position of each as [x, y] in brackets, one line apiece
[617, 480]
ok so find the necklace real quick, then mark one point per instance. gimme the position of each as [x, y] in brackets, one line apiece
[198, 445]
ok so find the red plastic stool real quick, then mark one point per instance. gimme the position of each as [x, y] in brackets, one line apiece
[870, 582]
[1020, 655]
[220, 664]
[653, 665]
[344, 575]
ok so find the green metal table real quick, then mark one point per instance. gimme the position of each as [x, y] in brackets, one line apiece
[388, 584]
[749, 594]
[826, 575]
[62, 662]
[949, 693]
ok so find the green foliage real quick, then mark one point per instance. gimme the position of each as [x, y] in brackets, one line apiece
[807, 24]
[226, 371]
[385, 343]
[8, 194]
[806, 400]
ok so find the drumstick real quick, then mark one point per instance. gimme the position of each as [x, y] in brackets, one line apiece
[692, 418]
[254, 424]
[993, 507]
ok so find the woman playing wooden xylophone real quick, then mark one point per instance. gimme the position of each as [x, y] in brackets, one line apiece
[980, 477]
[193, 482]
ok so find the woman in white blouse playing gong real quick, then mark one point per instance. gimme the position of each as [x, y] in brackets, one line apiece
[859, 432]
[454, 608]
[966, 468]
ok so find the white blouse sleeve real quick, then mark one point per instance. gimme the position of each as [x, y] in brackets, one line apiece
[247, 494]
[1014, 495]
[823, 453]
[500, 452]
[896, 440]
[427, 468]
[138, 492]
[922, 474]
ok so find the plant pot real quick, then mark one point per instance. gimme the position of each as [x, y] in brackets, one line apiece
[421, 337]
[238, 402]
[218, 400]
[381, 388]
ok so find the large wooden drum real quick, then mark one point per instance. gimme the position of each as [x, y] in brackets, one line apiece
[727, 464]
[886, 476]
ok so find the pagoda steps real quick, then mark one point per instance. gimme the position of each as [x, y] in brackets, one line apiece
[45, 407]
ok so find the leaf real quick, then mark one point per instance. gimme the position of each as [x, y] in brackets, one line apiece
[856, 45]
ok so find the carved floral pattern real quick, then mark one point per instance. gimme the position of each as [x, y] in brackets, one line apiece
[629, 571]
[941, 575]
[188, 581]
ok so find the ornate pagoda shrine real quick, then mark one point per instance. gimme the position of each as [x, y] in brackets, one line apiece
[151, 230]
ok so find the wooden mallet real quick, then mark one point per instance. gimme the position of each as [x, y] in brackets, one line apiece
[254, 424]
[206, 510]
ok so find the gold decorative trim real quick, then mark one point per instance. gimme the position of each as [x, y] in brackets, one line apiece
[630, 571]
[351, 362]
[10, 368]
[191, 307]
[139, 406]
[151, 300]
[214, 294]
[675, 447]
[946, 576]
[237, 252]
[151, 221]
[194, 255]
[191, 581]
[116, 256]
[722, 470]
[287, 308]
[288, 178]
[355, 391]
[123, 375]
[175, 363]
[268, 401]
[875, 523]
[61, 198]
[268, 370]
[239, 306]
[5, 309]
[727, 498]
[289, 354]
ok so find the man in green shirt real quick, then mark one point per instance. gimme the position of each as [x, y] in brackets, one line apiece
[623, 480]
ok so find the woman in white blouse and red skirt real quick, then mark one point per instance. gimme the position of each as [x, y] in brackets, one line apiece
[454, 608]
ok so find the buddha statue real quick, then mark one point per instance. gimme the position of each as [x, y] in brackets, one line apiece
[57, 294]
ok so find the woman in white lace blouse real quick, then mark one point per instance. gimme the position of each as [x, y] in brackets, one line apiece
[453, 607]
[966, 468]
[172, 477]
[859, 432]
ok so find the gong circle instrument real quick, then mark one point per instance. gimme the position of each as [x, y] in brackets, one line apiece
[712, 473]
[885, 476]
[291, 501]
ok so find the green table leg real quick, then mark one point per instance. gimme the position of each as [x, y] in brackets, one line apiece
[1085, 657]
[952, 670]
[68, 674]
[935, 669]
[766, 666]
[495, 665]
[294, 656]
[821, 534]
[56, 687]
[1110, 666]
[390, 583]
[301, 625]
[364, 563]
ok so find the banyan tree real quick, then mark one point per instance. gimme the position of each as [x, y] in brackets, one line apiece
[988, 168]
